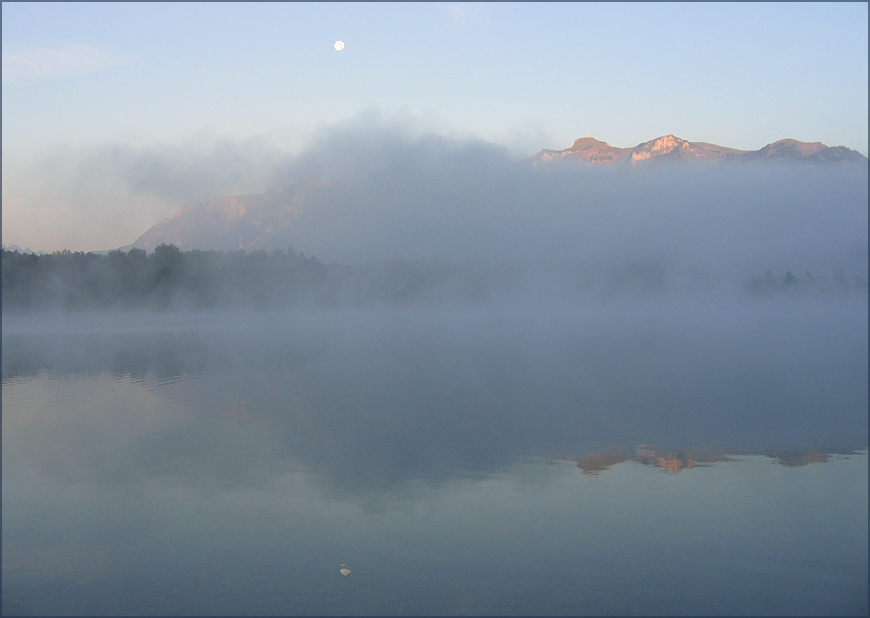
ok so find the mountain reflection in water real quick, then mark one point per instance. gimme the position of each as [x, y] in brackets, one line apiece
[234, 464]
[671, 462]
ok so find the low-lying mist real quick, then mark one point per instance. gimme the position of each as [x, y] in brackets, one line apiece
[464, 308]
[432, 197]
[394, 193]
[442, 222]
[375, 399]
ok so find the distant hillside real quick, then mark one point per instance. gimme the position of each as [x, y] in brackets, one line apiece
[413, 203]
[672, 148]
[246, 222]
[20, 250]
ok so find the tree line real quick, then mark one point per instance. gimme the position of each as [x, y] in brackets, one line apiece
[836, 284]
[169, 278]
[165, 278]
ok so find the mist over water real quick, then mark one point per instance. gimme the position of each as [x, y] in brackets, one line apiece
[469, 402]
[480, 459]
[414, 393]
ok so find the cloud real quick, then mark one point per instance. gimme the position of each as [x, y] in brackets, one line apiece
[430, 196]
[58, 62]
[403, 190]
[105, 196]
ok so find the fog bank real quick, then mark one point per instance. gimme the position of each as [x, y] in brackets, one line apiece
[433, 197]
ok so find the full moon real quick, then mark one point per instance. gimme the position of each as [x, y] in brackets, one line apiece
[339, 45]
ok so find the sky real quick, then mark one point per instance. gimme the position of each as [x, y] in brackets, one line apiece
[116, 115]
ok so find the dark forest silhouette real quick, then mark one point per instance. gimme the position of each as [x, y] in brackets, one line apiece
[169, 278]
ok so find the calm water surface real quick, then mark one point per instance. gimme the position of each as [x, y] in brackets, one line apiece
[601, 460]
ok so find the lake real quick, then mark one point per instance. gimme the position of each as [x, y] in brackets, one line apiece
[650, 458]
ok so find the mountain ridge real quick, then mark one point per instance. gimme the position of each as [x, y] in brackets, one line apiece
[670, 147]
[267, 221]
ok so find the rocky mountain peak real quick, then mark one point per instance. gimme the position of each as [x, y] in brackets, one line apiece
[659, 147]
[583, 143]
[672, 148]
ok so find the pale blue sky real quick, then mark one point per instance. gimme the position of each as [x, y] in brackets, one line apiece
[529, 76]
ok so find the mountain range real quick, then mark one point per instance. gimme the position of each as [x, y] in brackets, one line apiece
[670, 148]
[276, 219]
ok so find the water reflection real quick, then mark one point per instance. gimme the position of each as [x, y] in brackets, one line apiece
[373, 401]
[225, 465]
[592, 464]
[669, 461]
